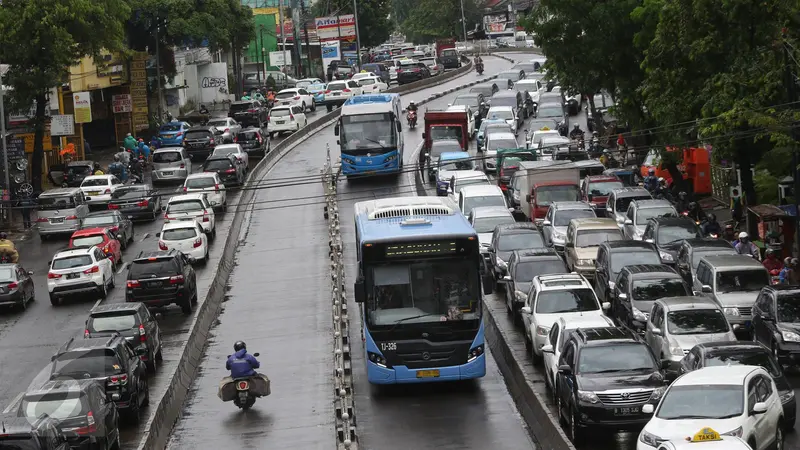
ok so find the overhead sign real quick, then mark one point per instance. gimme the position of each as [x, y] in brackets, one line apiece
[62, 125]
[122, 103]
[347, 26]
[327, 27]
[277, 58]
[83, 107]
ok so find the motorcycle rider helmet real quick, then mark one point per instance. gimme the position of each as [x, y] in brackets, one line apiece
[743, 236]
[3, 235]
[787, 261]
[769, 251]
[682, 195]
[116, 158]
[651, 171]
[712, 217]
[239, 345]
[577, 126]
[96, 166]
[661, 180]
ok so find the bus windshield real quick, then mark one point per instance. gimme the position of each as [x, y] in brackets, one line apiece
[368, 133]
[423, 291]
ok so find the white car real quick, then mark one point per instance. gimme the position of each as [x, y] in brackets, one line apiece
[492, 143]
[507, 113]
[98, 188]
[470, 117]
[339, 91]
[550, 145]
[361, 76]
[484, 219]
[535, 88]
[194, 208]
[235, 150]
[559, 332]
[284, 119]
[463, 178]
[372, 85]
[296, 97]
[475, 196]
[538, 135]
[185, 236]
[711, 441]
[80, 271]
[739, 401]
[556, 221]
[209, 184]
[552, 297]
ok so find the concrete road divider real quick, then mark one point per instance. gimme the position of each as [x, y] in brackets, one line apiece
[166, 407]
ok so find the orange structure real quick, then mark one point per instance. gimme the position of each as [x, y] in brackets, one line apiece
[695, 166]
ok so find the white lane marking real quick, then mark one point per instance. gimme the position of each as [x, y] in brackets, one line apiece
[13, 403]
[97, 303]
[146, 235]
[124, 266]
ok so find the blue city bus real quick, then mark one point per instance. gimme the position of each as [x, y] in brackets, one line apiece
[370, 135]
[418, 287]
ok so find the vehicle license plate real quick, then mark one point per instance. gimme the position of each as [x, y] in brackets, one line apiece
[130, 206]
[168, 136]
[198, 145]
[93, 193]
[633, 410]
[280, 122]
[427, 374]
[166, 173]
[286, 103]
[72, 276]
[57, 220]
[154, 284]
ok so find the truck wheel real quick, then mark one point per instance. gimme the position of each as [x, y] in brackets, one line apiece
[329, 107]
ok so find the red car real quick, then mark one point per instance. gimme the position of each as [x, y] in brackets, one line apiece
[595, 190]
[101, 237]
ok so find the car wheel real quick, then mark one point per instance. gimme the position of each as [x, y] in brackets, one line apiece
[305, 108]
[779, 437]
[130, 236]
[195, 296]
[103, 290]
[54, 300]
[113, 283]
[123, 243]
[313, 105]
[559, 407]
[186, 308]
[146, 400]
[43, 237]
[135, 411]
[151, 364]
[272, 135]
[574, 431]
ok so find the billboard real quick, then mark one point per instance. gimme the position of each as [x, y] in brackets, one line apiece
[327, 28]
[347, 26]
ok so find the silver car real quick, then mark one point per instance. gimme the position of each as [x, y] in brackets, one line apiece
[484, 219]
[556, 221]
[229, 127]
[171, 164]
[60, 211]
[640, 211]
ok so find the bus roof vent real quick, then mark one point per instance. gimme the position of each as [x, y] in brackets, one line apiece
[393, 212]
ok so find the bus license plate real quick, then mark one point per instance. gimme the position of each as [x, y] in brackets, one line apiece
[626, 411]
[427, 374]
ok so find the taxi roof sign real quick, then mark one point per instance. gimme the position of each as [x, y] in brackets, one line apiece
[544, 129]
[705, 435]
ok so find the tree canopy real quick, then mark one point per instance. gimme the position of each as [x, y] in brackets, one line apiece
[427, 20]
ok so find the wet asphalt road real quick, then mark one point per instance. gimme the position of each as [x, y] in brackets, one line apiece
[279, 304]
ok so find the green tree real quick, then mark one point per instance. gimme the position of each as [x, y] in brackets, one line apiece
[41, 39]
[429, 20]
[374, 25]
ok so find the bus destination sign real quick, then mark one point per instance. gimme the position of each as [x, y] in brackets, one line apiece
[435, 248]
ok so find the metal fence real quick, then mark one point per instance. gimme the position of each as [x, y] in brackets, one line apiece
[343, 365]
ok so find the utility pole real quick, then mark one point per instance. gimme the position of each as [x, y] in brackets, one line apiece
[258, 61]
[283, 35]
[296, 49]
[6, 170]
[463, 22]
[158, 68]
[260, 50]
[358, 35]
[308, 44]
[791, 89]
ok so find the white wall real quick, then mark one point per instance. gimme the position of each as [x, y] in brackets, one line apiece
[207, 82]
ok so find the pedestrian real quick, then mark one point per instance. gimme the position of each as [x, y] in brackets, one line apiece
[737, 205]
[26, 205]
[87, 149]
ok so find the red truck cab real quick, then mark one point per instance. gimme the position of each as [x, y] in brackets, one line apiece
[595, 190]
[543, 194]
[446, 125]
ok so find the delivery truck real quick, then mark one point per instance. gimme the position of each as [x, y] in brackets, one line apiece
[540, 183]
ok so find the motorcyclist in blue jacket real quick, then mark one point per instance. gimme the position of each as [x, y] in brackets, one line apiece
[242, 364]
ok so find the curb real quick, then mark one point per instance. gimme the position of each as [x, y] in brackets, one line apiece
[167, 408]
[503, 57]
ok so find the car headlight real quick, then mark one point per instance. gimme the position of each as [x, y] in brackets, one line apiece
[585, 262]
[665, 256]
[675, 349]
[787, 396]
[588, 396]
[639, 315]
[731, 311]
[789, 336]
[658, 393]
[737, 432]
[542, 331]
[520, 295]
[501, 264]
[650, 439]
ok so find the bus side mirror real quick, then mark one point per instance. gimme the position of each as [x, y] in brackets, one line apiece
[359, 291]
[336, 130]
[399, 127]
[423, 135]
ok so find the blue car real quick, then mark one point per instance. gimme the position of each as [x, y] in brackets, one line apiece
[317, 91]
[171, 133]
[450, 162]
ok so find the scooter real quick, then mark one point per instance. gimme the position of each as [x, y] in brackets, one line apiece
[411, 117]
[479, 68]
[244, 391]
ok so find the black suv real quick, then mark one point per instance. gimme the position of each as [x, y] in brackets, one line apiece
[81, 409]
[161, 278]
[774, 317]
[200, 142]
[76, 172]
[228, 168]
[523, 265]
[613, 256]
[110, 360]
[595, 360]
[637, 287]
[333, 70]
[35, 434]
[509, 237]
[134, 322]
[254, 141]
[668, 233]
[249, 113]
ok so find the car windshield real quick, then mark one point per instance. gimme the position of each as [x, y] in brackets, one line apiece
[219, 123]
[99, 220]
[603, 188]
[200, 183]
[79, 170]
[525, 271]
[463, 164]
[443, 146]
[550, 111]
[486, 200]
[504, 114]
[615, 358]
[185, 206]
[366, 81]
[197, 134]
[72, 262]
[7, 275]
[247, 136]
[623, 202]
[563, 216]
[508, 75]
[242, 107]
[119, 321]
[645, 214]
[702, 401]
[673, 233]
[145, 268]
[545, 195]
[428, 291]
[488, 224]
[95, 182]
[567, 301]
[362, 133]
[170, 127]
[179, 234]
[85, 241]
[593, 238]
[742, 280]
[789, 308]
[495, 144]
[625, 257]
[519, 240]
[284, 95]
[471, 182]
[79, 364]
[504, 101]
[696, 321]
[485, 90]
[716, 358]
[652, 290]
[58, 405]
[282, 112]
[166, 157]
[217, 164]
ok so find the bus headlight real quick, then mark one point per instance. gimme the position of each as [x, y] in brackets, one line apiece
[377, 359]
[475, 352]
[348, 160]
[390, 158]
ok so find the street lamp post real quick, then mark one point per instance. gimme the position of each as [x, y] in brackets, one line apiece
[7, 177]
[358, 35]
[463, 23]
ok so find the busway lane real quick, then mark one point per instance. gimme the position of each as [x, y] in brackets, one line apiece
[279, 304]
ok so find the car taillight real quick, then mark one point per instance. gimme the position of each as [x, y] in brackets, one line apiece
[327, 91]
[86, 333]
[94, 269]
[113, 206]
[346, 90]
[211, 141]
[197, 243]
[162, 245]
[72, 217]
[205, 216]
[230, 171]
[183, 166]
[107, 191]
[144, 203]
[133, 283]
[258, 138]
[216, 188]
[52, 275]
[142, 334]
[269, 118]
[185, 189]
[176, 279]
[118, 379]
[252, 111]
[41, 219]
[12, 285]
[90, 427]
[296, 98]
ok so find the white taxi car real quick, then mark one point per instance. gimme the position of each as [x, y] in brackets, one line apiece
[296, 97]
[192, 208]
[567, 295]
[471, 131]
[740, 401]
[284, 119]
[98, 188]
[463, 178]
[706, 439]
[372, 85]
[80, 271]
[362, 75]
[209, 184]
[185, 236]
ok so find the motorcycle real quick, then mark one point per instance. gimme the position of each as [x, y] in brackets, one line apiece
[479, 68]
[412, 119]
[775, 276]
[244, 391]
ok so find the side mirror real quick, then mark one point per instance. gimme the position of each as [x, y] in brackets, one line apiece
[622, 296]
[649, 241]
[141, 351]
[30, 272]
[336, 130]
[628, 222]
[359, 291]
[706, 289]
[511, 210]
[214, 203]
[665, 363]
[506, 279]
[423, 135]
[158, 234]
[758, 408]
[547, 348]
[606, 306]
[526, 310]
[546, 223]
[609, 210]
[648, 408]
[565, 369]
[657, 332]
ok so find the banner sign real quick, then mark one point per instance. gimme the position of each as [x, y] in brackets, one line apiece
[62, 125]
[327, 27]
[83, 107]
[347, 26]
[122, 103]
